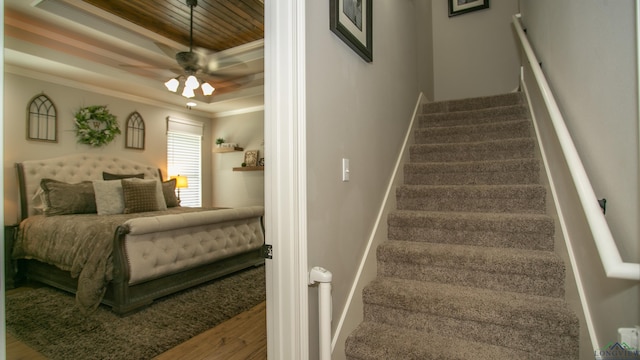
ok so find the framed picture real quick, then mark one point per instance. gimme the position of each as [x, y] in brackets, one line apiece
[351, 21]
[458, 7]
[251, 157]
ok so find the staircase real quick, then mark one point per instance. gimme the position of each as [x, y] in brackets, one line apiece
[468, 271]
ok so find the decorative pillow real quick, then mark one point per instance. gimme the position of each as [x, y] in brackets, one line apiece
[63, 199]
[142, 195]
[169, 192]
[109, 197]
[109, 176]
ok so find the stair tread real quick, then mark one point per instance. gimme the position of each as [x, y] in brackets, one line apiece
[517, 310]
[382, 341]
[526, 222]
[535, 263]
[465, 166]
[473, 127]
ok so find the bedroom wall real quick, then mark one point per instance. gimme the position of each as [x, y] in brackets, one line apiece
[20, 89]
[238, 188]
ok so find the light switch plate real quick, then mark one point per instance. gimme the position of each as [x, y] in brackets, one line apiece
[345, 170]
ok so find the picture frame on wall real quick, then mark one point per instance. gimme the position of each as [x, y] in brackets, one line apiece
[352, 21]
[459, 7]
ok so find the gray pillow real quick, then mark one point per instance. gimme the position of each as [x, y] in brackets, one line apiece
[140, 195]
[169, 192]
[109, 176]
[62, 198]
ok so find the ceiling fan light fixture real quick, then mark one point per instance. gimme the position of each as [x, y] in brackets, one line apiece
[188, 92]
[207, 89]
[172, 85]
[192, 82]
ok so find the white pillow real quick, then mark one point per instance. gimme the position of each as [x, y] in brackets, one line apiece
[109, 196]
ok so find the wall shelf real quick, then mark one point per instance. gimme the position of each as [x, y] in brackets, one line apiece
[249, 168]
[226, 149]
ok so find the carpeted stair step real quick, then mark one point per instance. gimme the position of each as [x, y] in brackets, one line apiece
[473, 117]
[530, 323]
[501, 269]
[472, 198]
[374, 341]
[473, 133]
[483, 102]
[498, 172]
[520, 148]
[519, 231]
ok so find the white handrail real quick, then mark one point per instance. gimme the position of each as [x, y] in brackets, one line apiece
[609, 255]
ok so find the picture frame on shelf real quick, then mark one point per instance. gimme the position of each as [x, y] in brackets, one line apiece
[459, 7]
[251, 157]
[352, 22]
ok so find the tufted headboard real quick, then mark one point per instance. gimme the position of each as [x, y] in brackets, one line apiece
[73, 169]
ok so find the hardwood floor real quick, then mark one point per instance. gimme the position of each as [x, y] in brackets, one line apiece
[243, 337]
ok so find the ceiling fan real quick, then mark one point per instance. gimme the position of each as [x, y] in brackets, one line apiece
[194, 63]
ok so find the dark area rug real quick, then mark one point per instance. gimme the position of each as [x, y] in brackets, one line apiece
[47, 320]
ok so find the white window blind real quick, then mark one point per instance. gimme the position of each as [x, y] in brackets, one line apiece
[184, 157]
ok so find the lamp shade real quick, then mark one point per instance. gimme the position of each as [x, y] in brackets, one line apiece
[188, 92]
[172, 84]
[192, 82]
[207, 89]
[181, 181]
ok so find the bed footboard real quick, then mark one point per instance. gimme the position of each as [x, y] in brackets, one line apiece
[157, 256]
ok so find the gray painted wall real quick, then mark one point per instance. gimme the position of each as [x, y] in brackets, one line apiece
[474, 54]
[360, 111]
[587, 50]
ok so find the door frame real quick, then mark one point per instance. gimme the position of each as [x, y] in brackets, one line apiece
[285, 180]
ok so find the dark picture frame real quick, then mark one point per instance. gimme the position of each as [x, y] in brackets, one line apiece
[352, 21]
[459, 7]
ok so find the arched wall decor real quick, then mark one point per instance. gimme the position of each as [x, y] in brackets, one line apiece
[135, 131]
[42, 119]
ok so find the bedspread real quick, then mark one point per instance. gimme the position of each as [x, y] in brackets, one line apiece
[81, 244]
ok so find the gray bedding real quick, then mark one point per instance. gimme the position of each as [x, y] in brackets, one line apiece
[81, 244]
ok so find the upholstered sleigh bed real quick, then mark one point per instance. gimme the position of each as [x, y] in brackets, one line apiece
[128, 254]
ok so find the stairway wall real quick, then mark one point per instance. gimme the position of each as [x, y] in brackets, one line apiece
[600, 109]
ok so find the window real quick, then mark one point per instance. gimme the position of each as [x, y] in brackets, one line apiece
[184, 157]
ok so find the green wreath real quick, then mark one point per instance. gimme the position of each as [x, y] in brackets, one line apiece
[95, 125]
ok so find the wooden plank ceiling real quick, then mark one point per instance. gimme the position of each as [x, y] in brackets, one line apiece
[217, 24]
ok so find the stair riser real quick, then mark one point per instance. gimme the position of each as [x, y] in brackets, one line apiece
[472, 152]
[458, 134]
[531, 202]
[473, 117]
[416, 177]
[487, 279]
[474, 103]
[558, 346]
[530, 241]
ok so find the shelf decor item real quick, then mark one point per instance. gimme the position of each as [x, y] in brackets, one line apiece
[95, 125]
[251, 157]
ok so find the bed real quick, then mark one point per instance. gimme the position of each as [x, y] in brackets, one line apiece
[134, 243]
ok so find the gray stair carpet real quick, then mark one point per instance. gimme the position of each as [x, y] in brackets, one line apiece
[469, 269]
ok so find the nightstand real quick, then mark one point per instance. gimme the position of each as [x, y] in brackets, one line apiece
[10, 232]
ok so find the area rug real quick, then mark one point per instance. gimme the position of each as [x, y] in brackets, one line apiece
[46, 319]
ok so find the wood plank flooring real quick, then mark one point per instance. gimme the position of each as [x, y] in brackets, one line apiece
[243, 337]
